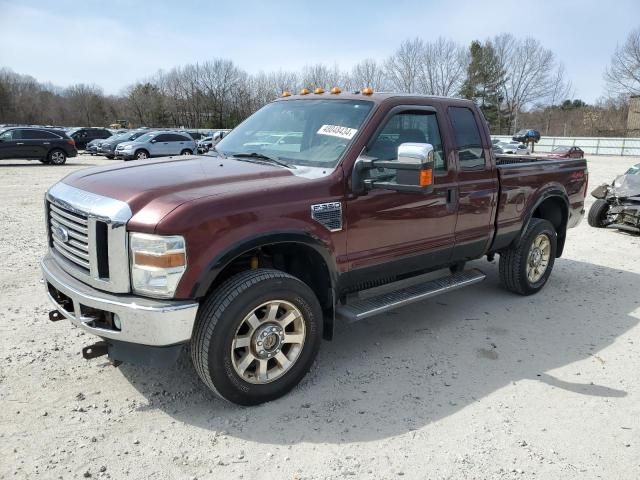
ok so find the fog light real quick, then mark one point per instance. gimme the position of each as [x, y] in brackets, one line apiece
[116, 322]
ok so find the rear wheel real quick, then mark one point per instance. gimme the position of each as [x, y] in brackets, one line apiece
[525, 267]
[256, 336]
[186, 152]
[598, 214]
[56, 157]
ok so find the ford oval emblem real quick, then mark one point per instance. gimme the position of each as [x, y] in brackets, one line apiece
[60, 233]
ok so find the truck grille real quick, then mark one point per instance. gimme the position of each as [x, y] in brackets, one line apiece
[70, 236]
[88, 237]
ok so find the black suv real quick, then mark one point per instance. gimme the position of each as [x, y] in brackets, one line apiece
[82, 136]
[44, 144]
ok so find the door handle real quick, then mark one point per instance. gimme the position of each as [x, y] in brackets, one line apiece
[451, 196]
[20, 143]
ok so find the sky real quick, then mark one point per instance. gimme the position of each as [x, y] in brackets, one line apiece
[117, 42]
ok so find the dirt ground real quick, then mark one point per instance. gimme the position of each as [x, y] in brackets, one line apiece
[478, 383]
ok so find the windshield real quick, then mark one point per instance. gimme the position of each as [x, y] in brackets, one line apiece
[145, 138]
[635, 170]
[301, 132]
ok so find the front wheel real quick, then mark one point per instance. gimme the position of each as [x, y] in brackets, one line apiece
[142, 155]
[525, 266]
[186, 152]
[598, 214]
[256, 336]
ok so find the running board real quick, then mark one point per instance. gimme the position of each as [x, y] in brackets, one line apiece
[371, 306]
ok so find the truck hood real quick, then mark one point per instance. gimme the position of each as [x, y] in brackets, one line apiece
[160, 185]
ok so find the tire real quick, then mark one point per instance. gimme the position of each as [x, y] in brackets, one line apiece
[110, 157]
[141, 155]
[186, 151]
[598, 213]
[517, 273]
[224, 314]
[57, 157]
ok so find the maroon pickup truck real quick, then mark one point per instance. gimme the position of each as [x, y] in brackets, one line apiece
[250, 254]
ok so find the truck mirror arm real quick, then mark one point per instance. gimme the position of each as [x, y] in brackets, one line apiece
[361, 184]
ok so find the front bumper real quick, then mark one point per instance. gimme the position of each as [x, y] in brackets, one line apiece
[143, 321]
[125, 155]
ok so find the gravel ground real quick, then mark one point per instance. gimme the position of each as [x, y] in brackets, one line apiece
[478, 383]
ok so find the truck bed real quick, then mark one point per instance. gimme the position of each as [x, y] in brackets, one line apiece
[525, 179]
[505, 159]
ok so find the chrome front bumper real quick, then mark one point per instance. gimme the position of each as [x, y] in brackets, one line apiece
[143, 320]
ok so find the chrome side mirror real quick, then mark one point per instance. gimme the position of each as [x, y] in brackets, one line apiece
[415, 159]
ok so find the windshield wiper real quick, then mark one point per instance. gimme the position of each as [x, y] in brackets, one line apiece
[261, 156]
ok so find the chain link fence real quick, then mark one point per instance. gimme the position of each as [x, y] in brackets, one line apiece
[590, 145]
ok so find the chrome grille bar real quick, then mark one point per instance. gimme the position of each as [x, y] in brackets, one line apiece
[69, 223]
[71, 216]
[74, 218]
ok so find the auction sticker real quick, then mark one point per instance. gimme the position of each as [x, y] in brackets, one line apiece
[337, 131]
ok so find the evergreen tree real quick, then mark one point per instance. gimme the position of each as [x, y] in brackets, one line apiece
[484, 82]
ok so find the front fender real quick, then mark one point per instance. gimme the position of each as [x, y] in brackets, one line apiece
[225, 256]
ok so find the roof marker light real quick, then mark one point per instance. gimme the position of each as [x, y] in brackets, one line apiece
[367, 91]
[304, 91]
[318, 90]
[286, 94]
[336, 90]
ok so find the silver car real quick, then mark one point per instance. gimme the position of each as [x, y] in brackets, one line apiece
[156, 144]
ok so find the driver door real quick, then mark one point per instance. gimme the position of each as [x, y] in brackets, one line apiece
[390, 232]
[8, 147]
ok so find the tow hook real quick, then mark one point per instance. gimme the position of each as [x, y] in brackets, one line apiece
[96, 350]
[55, 316]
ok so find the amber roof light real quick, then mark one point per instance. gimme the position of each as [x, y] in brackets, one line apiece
[318, 90]
[286, 94]
[304, 91]
[367, 91]
[336, 90]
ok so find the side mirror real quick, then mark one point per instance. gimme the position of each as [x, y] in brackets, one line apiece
[153, 141]
[414, 168]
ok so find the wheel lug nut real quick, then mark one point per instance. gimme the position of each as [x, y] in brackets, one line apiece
[259, 344]
[261, 352]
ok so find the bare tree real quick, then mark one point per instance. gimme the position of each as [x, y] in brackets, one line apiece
[529, 71]
[561, 89]
[404, 66]
[442, 72]
[368, 73]
[623, 75]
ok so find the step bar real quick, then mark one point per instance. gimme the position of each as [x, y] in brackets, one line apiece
[368, 307]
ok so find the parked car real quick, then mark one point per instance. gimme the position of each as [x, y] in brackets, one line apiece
[47, 145]
[567, 152]
[83, 136]
[108, 147]
[527, 136]
[156, 144]
[204, 145]
[511, 148]
[618, 204]
[195, 135]
[93, 146]
[249, 259]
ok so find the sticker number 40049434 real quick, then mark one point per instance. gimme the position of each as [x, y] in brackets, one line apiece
[337, 131]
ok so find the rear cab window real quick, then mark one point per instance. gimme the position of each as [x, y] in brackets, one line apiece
[467, 137]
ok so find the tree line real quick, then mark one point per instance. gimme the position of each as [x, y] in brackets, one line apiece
[516, 81]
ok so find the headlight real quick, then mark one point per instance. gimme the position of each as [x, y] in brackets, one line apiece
[157, 263]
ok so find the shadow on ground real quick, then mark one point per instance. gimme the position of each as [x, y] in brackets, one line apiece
[401, 371]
